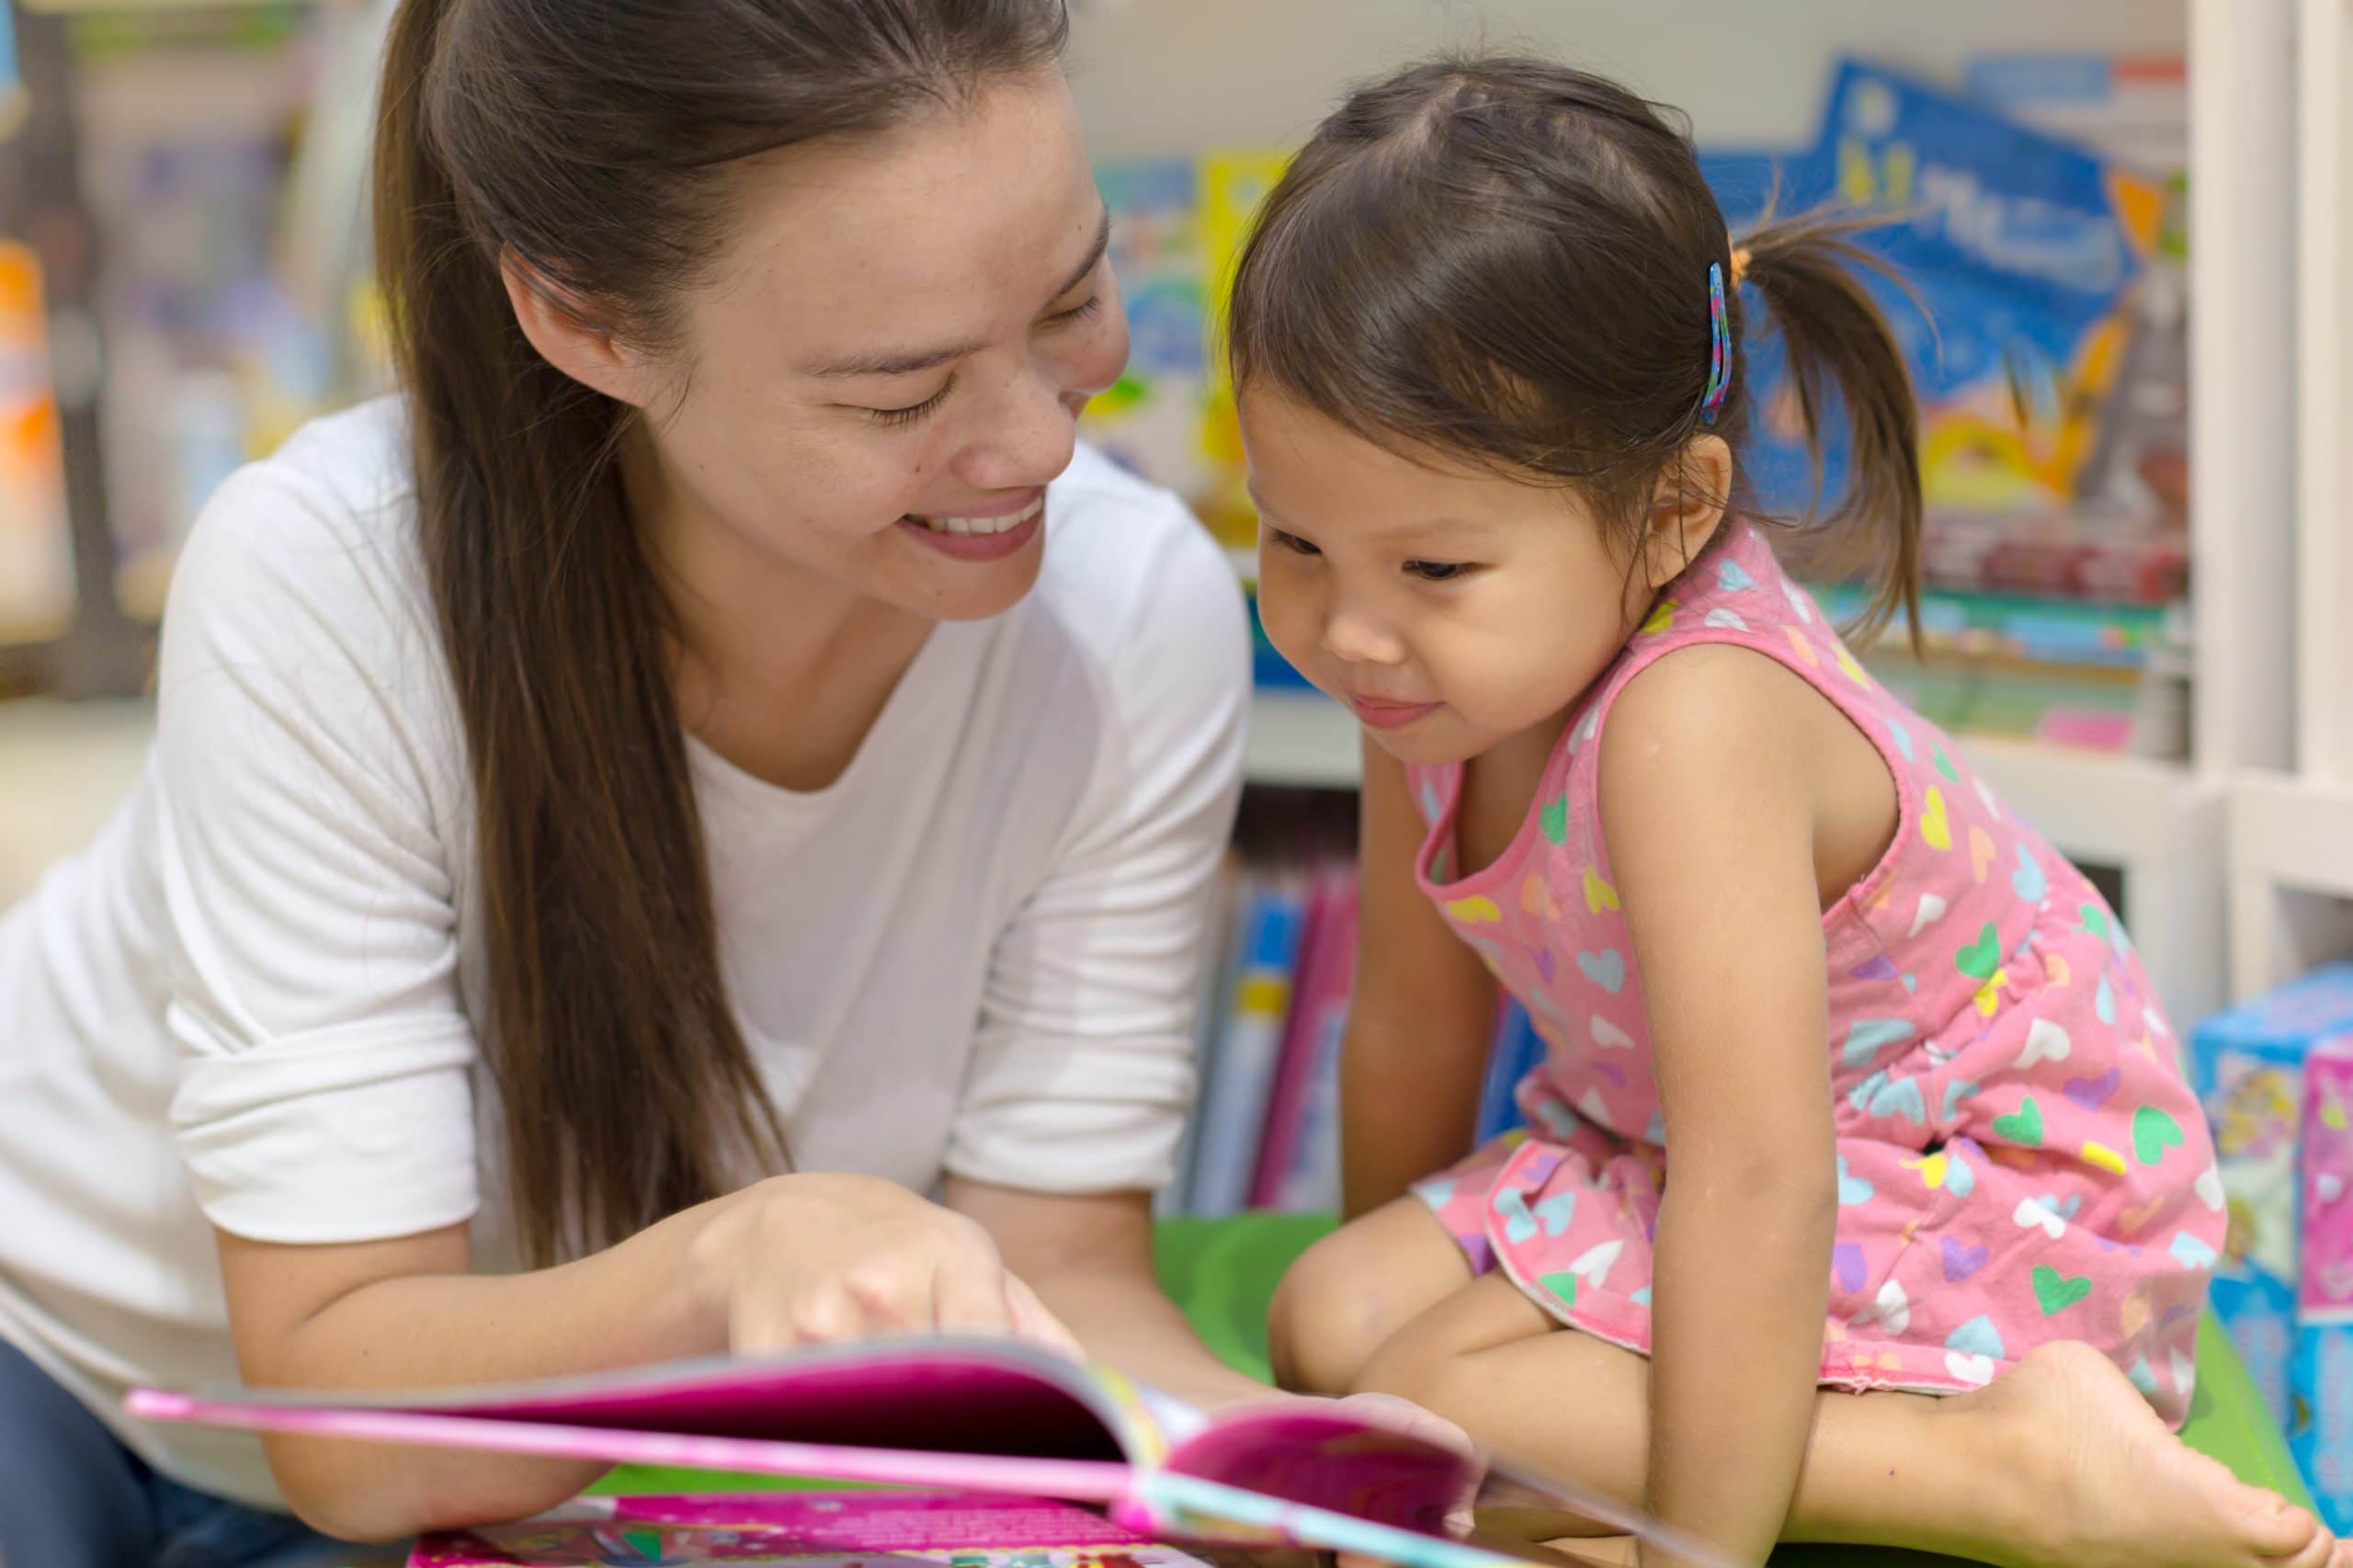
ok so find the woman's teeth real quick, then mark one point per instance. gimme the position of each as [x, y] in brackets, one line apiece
[1005, 523]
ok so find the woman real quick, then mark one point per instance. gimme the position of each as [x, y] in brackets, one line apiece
[711, 728]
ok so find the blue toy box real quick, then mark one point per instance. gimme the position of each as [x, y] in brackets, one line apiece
[2275, 1075]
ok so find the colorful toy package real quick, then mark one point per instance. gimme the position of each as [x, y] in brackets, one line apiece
[2022, 248]
[2321, 1431]
[1176, 225]
[1151, 418]
[2249, 1065]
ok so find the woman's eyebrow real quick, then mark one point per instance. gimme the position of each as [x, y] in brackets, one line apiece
[907, 361]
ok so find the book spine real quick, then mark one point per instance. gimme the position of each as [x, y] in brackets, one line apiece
[1295, 1064]
[1223, 937]
[1312, 1181]
[1516, 1049]
[1233, 1111]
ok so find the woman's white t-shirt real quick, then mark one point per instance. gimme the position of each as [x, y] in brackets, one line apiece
[252, 1002]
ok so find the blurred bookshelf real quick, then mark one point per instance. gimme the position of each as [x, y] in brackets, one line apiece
[154, 201]
[184, 176]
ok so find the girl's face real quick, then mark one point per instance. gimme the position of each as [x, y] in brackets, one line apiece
[886, 365]
[1453, 609]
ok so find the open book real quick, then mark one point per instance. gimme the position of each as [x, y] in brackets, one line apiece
[996, 1416]
[806, 1529]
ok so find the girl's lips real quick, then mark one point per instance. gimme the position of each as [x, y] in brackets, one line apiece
[1390, 715]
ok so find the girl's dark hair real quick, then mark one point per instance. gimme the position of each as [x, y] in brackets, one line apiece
[1506, 259]
[589, 141]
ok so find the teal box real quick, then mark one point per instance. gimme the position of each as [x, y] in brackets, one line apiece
[2247, 1065]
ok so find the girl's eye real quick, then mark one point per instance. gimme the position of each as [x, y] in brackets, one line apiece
[1291, 542]
[1437, 570]
[913, 412]
[1077, 314]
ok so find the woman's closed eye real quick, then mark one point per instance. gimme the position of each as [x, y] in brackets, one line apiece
[914, 411]
[1077, 312]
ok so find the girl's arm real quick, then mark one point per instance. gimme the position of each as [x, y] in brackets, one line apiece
[1421, 1018]
[1708, 813]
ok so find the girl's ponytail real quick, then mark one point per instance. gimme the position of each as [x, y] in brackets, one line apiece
[1807, 271]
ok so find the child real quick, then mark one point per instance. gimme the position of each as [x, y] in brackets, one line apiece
[1929, 1135]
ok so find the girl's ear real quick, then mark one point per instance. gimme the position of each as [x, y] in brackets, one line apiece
[1686, 507]
[569, 336]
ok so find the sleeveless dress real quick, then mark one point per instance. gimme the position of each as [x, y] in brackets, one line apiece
[2019, 1157]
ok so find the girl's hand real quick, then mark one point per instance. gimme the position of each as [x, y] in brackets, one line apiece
[810, 1259]
[1411, 1420]
[1393, 1415]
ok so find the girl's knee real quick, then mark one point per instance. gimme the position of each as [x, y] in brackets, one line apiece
[1316, 1338]
[1413, 1365]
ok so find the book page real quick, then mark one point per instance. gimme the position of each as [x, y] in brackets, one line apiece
[820, 1529]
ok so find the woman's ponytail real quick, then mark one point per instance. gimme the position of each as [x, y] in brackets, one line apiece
[628, 1092]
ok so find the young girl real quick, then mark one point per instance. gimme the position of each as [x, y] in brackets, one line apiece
[1929, 1134]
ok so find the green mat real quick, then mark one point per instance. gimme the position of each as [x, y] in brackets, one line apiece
[1223, 1271]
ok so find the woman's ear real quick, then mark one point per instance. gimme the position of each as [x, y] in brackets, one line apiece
[1686, 509]
[569, 336]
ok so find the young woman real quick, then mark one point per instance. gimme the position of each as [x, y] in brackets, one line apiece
[709, 764]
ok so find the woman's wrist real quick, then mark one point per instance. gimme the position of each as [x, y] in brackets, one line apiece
[693, 1307]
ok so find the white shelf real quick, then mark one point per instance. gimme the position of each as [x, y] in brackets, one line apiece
[2242, 350]
[2324, 402]
[2096, 806]
[2154, 822]
[2291, 877]
[1302, 740]
[2093, 806]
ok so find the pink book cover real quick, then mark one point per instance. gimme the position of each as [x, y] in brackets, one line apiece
[996, 1416]
[2326, 1280]
[1287, 1109]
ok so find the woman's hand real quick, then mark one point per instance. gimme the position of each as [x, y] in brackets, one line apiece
[808, 1259]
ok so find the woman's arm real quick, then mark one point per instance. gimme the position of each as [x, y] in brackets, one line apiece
[1421, 1018]
[794, 1260]
[1707, 815]
[1089, 1259]
[311, 831]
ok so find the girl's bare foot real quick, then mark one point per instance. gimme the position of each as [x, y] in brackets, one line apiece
[2096, 1481]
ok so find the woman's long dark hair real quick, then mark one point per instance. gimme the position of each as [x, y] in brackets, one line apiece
[1508, 259]
[589, 139]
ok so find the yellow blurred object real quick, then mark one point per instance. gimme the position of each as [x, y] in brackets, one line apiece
[36, 548]
[1234, 184]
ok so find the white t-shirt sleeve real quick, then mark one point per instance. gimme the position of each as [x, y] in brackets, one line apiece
[1083, 1069]
[324, 1093]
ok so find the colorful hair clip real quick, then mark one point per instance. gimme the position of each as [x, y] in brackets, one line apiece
[1719, 347]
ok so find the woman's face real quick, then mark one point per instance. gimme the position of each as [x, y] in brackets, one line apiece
[887, 365]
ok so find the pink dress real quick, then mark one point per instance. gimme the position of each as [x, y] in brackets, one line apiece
[2019, 1159]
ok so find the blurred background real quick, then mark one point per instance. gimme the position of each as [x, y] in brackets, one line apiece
[2130, 223]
